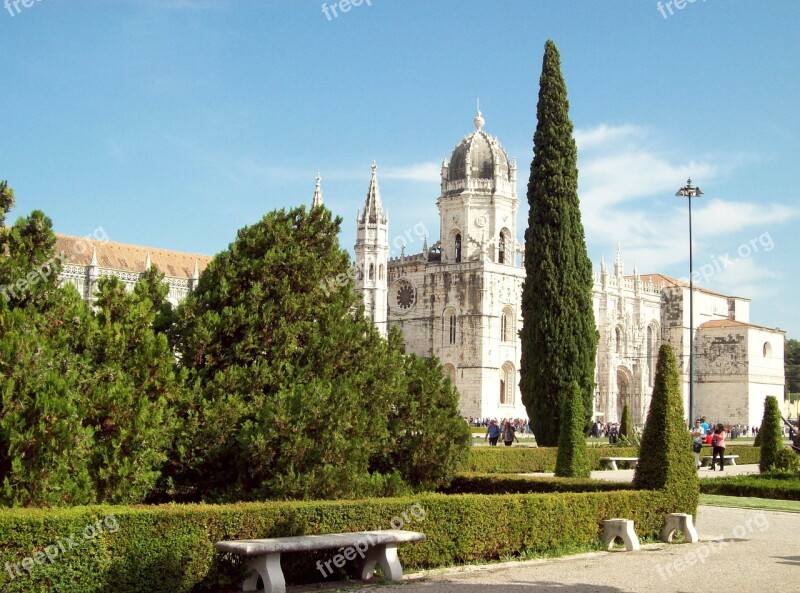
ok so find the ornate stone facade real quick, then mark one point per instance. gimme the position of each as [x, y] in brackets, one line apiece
[460, 301]
[460, 298]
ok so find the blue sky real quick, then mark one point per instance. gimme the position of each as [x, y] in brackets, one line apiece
[173, 123]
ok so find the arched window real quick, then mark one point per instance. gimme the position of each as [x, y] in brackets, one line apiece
[767, 349]
[458, 248]
[507, 384]
[507, 325]
[501, 249]
[449, 326]
[372, 271]
[618, 339]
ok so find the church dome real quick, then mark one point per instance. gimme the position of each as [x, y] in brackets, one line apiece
[482, 154]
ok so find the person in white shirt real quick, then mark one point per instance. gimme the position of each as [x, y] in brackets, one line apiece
[698, 432]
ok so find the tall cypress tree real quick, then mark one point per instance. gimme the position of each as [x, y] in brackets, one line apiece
[559, 338]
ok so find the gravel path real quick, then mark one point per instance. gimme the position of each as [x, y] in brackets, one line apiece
[740, 550]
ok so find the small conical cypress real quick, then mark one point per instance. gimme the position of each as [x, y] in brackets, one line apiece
[770, 433]
[559, 337]
[665, 456]
[626, 426]
[572, 461]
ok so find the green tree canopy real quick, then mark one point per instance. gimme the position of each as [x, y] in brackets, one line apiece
[283, 360]
[559, 338]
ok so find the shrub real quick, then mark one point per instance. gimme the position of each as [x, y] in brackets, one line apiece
[770, 433]
[772, 485]
[665, 459]
[626, 426]
[170, 548]
[571, 460]
[505, 484]
[520, 460]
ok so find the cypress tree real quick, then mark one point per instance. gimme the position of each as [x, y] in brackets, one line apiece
[626, 426]
[559, 337]
[770, 433]
[571, 461]
[665, 456]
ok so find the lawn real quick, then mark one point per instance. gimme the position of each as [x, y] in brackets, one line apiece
[768, 504]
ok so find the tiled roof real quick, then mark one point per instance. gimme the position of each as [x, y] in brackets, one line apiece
[733, 323]
[659, 279]
[130, 258]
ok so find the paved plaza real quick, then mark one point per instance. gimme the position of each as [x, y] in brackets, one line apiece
[740, 550]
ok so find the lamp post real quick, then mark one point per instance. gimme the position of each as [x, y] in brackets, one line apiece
[689, 191]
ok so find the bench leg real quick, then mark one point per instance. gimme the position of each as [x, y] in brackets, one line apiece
[730, 460]
[679, 522]
[386, 556]
[268, 567]
[613, 465]
[619, 528]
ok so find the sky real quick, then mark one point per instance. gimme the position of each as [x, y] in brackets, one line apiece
[173, 123]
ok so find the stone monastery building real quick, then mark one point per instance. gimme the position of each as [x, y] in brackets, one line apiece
[460, 298]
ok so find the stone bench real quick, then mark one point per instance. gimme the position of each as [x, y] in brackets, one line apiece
[263, 556]
[612, 461]
[622, 529]
[679, 522]
[729, 459]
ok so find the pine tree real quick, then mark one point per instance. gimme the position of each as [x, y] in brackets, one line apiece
[770, 433]
[572, 461]
[559, 338]
[626, 426]
[292, 386]
[665, 456]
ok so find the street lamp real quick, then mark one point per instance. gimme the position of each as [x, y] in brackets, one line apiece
[689, 191]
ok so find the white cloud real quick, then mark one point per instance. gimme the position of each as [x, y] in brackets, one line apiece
[421, 172]
[602, 135]
[627, 187]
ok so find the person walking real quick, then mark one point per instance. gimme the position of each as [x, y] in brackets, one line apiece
[718, 444]
[492, 433]
[697, 441]
[509, 434]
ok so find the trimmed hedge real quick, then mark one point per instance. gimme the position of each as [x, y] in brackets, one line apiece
[169, 549]
[473, 483]
[783, 487]
[521, 460]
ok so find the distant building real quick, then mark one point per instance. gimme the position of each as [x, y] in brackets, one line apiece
[459, 300]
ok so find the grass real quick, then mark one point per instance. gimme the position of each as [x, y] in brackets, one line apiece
[743, 502]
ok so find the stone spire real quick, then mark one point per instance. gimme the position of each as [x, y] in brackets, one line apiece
[317, 200]
[196, 273]
[618, 265]
[93, 263]
[479, 121]
[603, 269]
[147, 262]
[373, 209]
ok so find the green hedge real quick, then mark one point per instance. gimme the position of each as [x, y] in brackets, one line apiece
[521, 460]
[518, 460]
[170, 548]
[473, 483]
[783, 487]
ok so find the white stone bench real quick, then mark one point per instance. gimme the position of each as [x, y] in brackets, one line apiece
[679, 522]
[620, 528]
[374, 547]
[729, 459]
[612, 461]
